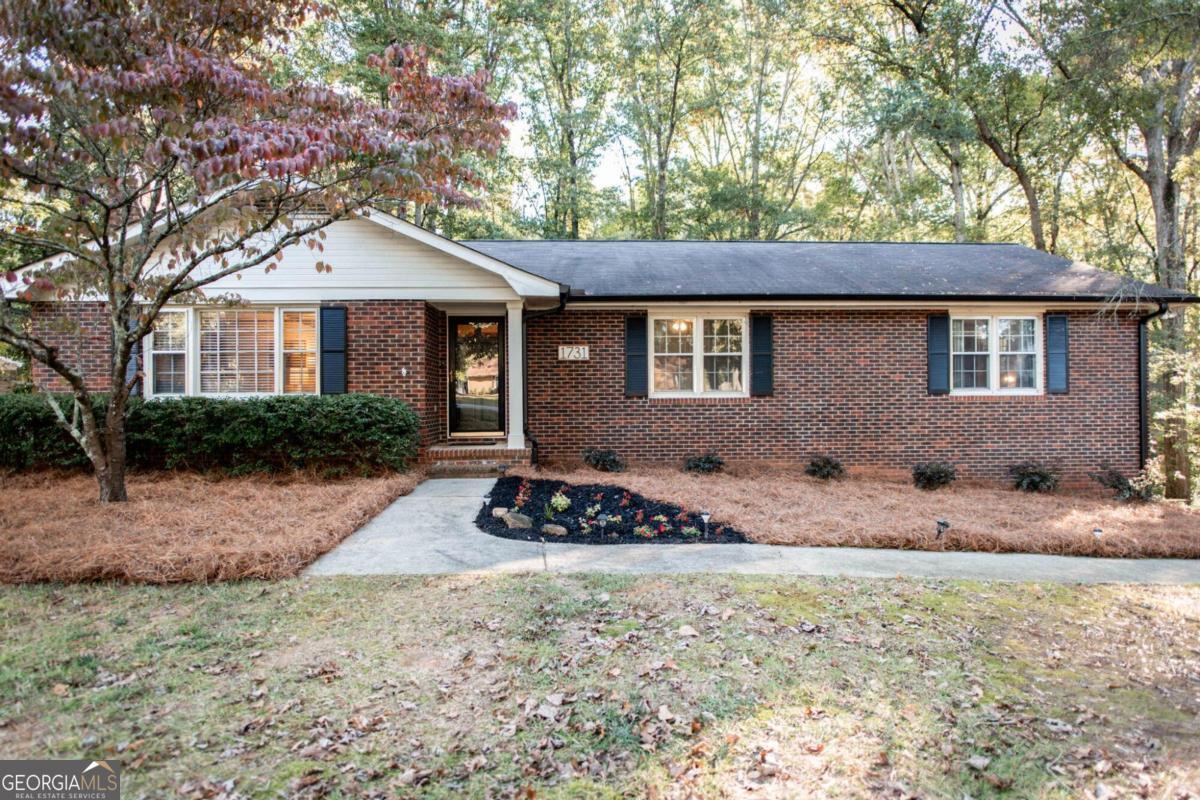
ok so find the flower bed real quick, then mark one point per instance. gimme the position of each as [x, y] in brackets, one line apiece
[595, 513]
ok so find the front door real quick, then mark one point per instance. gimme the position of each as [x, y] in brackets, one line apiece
[476, 348]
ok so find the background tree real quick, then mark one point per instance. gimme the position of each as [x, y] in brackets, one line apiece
[663, 44]
[754, 146]
[956, 53]
[568, 78]
[161, 156]
[1132, 70]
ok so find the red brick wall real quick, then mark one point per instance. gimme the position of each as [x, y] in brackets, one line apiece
[848, 383]
[436, 376]
[80, 331]
[386, 351]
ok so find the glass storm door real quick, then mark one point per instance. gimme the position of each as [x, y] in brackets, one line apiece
[476, 349]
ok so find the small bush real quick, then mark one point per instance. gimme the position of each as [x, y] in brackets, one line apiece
[934, 475]
[603, 460]
[1030, 476]
[336, 434]
[705, 464]
[1143, 487]
[825, 467]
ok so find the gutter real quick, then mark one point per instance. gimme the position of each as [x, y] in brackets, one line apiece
[525, 320]
[1143, 383]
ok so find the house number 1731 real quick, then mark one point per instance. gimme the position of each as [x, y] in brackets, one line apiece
[572, 352]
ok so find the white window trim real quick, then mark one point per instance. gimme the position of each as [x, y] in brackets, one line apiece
[698, 353]
[993, 386]
[192, 377]
[148, 359]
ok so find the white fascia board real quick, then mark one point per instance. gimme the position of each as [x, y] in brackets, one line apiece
[917, 305]
[283, 294]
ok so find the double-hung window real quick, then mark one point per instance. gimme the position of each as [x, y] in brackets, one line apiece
[237, 351]
[168, 353]
[698, 355]
[995, 354]
[233, 351]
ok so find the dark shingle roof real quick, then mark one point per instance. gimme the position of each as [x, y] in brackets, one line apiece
[813, 270]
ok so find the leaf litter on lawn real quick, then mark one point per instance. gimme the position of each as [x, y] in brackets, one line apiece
[599, 685]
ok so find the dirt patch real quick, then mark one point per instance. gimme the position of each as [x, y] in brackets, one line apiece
[180, 527]
[596, 513]
[778, 506]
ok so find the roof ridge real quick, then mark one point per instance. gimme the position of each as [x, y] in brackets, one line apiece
[740, 241]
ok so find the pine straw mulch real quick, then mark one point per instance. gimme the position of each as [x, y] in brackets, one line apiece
[777, 506]
[180, 527]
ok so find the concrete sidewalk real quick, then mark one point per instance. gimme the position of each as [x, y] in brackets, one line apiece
[433, 530]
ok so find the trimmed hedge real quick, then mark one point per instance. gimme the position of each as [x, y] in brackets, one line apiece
[333, 433]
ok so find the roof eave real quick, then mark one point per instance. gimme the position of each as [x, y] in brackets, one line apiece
[919, 298]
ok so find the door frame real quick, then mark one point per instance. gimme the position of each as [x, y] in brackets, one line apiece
[502, 356]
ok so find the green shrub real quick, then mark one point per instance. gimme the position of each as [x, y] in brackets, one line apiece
[706, 464]
[934, 475]
[30, 437]
[825, 467]
[603, 460]
[332, 433]
[1030, 476]
[1143, 487]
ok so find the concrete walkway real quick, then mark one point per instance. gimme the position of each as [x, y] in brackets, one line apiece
[433, 530]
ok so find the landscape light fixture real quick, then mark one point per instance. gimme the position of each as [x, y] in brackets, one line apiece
[1096, 532]
[942, 526]
[704, 515]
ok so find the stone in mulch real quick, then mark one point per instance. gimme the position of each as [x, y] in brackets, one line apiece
[594, 514]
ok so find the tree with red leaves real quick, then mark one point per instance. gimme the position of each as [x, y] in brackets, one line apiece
[160, 153]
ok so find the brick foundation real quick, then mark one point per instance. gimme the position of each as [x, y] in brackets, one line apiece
[848, 383]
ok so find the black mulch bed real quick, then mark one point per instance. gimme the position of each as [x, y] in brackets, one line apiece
[628, 518]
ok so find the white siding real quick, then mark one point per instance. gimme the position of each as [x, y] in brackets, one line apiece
[369, 262]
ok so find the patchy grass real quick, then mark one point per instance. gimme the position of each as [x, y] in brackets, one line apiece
[787, 507]
[600, 686]
[180, 527]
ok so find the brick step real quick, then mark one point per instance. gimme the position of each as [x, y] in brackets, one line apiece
[457, 470]
[472, 460]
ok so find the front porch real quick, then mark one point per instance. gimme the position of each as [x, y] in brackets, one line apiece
[475, 414]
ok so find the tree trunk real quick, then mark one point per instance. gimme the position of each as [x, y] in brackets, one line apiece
[1014, 164]
[659, 230]
[956, 189]
[1164, 192]
[1035, 211]
[112, 477]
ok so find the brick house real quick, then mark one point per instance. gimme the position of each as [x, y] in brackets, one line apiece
[882, 354]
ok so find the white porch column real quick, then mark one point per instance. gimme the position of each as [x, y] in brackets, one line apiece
[516, 376]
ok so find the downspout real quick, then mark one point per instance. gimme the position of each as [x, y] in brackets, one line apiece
[1144, 384]
[532, 315]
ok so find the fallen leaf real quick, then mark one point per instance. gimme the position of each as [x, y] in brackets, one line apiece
[978, 763]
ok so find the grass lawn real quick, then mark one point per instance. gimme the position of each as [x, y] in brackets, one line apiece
[180, 526]
[787, 507]
[597, 687]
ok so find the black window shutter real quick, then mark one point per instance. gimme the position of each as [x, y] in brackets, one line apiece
[135, 355]
[762, 356]
[938, 348]
[1057, 357]
[333, 350]
[636, 368]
